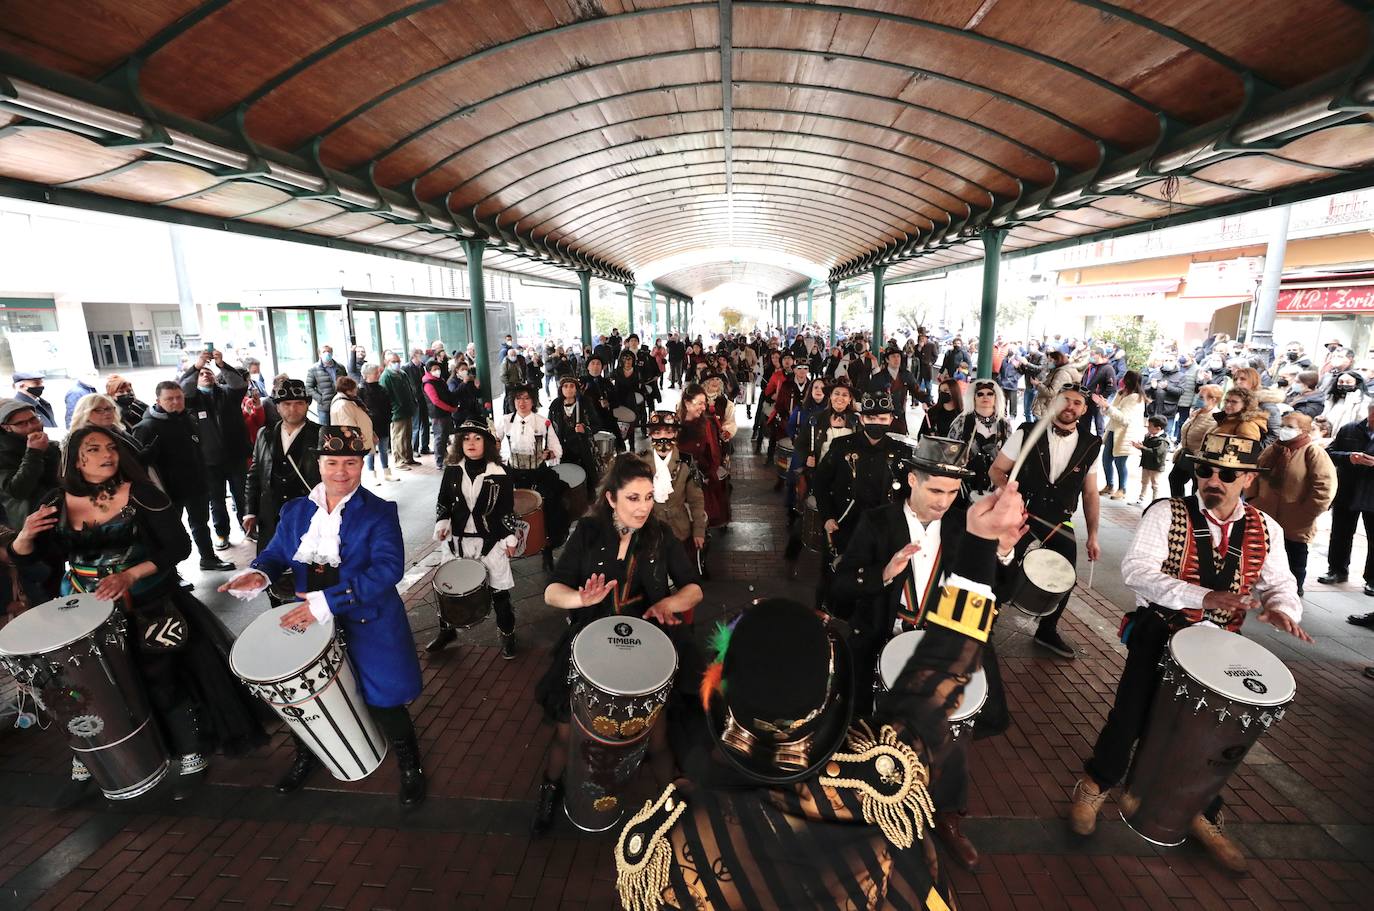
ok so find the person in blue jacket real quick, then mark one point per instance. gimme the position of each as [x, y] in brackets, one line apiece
[345, 547]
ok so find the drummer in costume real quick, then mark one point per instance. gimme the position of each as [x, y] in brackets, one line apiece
[121, 538]
[893, 570]
[620, 559]
[597, 392]
[476, 507]
[789, 391]
[344, 545]
[1062, 468]
[284, 465]
[1209, 558]
[837, 420]
[701, 437]
[627, 391]
[646, 365]
[529, 438]
[574, 421]
[984, 427]
[896, 381]
[679, 502]
[800, 804]
[862, 471]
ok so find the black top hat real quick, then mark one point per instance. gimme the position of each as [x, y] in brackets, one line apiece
[876, 403]
[891, 350]
[780, 696]
[1223, 450]
[945, 457]
[341, 440]
[290, 391]
[664, 420]
[471, 426]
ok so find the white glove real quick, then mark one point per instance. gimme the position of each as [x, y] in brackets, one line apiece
[442, 529]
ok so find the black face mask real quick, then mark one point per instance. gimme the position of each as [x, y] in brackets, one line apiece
[125, 400]
[36, 391]
[876, 431]
[664, 445]
[1292, 355]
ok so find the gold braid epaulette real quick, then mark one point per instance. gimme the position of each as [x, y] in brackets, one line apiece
[644, 854]
[891, 780]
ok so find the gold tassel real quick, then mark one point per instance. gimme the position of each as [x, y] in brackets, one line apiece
[903, 816]
[641, 883]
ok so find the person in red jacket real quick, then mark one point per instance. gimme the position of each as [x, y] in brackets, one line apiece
[442, 408]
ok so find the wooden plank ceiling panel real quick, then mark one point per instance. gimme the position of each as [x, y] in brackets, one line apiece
[346, 223]
[1349, 146]
[51, 156]
[233, 200]
[152, 181]
[856, 175]
[1259, 172]
[110, 31]
[296, 213]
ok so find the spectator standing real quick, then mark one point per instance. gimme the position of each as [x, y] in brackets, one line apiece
[677, 355]
[131, 408]
[1352, 451]
[442, 409]
[1295, 485]
[1198, 425]
[1154, 455]
[84, 386]
[379, 407]
[1125, 426]
[28, 388]
[321, 380]
[1304, 396]
[217, 404]
[171, 435]
[397, 385]
[415, 372]
[1100, 382]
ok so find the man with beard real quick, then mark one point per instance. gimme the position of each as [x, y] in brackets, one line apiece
[1172, 567]
[284, 463]
[1061, 469]
[954, 358]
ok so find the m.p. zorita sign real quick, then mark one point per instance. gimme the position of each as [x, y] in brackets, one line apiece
[1359, 299]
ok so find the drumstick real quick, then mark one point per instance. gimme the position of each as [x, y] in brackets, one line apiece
[1092, 567]
[1038, 430]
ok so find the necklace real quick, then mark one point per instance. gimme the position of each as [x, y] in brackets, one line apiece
[102, 494]
[621, 529]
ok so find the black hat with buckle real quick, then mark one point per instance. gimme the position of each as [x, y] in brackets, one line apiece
[341, 440]
[945, 457]
[875, 403]
[1222, 450]
[289, 390]
[780, 694]
[664, 420]
[471, 426]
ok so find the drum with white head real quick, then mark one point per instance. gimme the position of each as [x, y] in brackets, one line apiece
[529, 523]
[1218, 693]
[75, 655]
[622, 672]
[306, 677]
[1041, 580]
[893, 660]
[461, 588]
[576, 497]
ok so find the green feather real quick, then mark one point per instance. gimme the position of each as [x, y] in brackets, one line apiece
[720, 640]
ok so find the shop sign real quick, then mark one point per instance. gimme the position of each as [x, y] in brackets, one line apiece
[1226, 278]
[1359, 299]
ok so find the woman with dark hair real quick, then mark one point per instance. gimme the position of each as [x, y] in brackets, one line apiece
[940, 416]
[122, 538]
[700, 438]
[1125, 425]
[618, 560]
[772, 366]
[799, 423]
[626, 393]
[476, 507]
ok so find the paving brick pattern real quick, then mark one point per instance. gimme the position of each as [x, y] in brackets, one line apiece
[1301, 803]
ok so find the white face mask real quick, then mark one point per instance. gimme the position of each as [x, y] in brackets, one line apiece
[1288, 433]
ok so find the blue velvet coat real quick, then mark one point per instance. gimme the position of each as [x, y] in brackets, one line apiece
[365, 603]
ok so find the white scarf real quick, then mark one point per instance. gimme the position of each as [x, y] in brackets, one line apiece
[320, 543]
[663, 478]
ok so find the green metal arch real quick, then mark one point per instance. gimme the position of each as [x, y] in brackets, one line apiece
[822, 136]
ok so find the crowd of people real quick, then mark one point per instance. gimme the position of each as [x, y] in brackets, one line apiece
[922, 487]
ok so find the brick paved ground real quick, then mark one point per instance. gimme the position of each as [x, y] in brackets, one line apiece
[1301, 804]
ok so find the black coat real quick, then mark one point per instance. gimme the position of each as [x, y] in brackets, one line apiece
[219, 413]
[854, 477]
[494, 515]
[272, 480]
[172, 442]
[1354, 483]
[378, 403]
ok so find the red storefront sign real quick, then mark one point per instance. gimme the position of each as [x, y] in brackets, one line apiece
[1359, 299]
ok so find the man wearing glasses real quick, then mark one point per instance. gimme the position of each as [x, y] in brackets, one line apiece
[1230, 562]
[1061, 469]
[28, 460]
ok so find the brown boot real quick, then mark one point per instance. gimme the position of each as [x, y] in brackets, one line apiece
[1087, 800]
[947, 828]
[1223, 850]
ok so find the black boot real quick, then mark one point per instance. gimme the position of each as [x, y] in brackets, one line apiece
[304, 763]
[508, 645]
[550, 792]
[446, 635]
[412, 776]
[183, 734]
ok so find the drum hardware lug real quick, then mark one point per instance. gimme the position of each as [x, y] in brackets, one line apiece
[1278, 715]
[1200, 703]
[1245, 720]
[1182, 687]
[1266, 719]
[1222, 714]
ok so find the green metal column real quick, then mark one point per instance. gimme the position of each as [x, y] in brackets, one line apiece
[585, 305]
[796, 309]
[879, 295]
[653, 315]
[477, 293]
[834, 292]
[810, 298]
[630, 308]
[987, 317]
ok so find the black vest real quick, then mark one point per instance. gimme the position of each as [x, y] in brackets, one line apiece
[1056, 502]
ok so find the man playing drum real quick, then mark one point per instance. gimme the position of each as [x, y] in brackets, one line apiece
[345, 547]
[1209, 558]
[574, 420]
[1062, 467]
[476, 508]
[893, 569]
[531, 445]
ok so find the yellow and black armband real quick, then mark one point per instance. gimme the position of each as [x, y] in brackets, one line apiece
[963, 611]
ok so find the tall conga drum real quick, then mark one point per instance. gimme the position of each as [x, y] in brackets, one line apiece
[622, 672]
[529, 515]
[306, 678]
[1218, 693]
[74, 652]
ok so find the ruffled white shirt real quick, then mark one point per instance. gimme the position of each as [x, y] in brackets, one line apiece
[663, 478]
[320, 543]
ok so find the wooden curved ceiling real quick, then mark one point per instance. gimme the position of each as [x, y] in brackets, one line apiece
[618, 133]
[700, 280]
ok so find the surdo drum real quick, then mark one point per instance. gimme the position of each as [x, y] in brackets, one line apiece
[74, 653]
[603, 442]
[1042, 579]
[1218, 692]
[529, 523]
[461, 588]
[892, 661]
[782, 459]
[622, 671]
[576, 499]
[306, 678]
